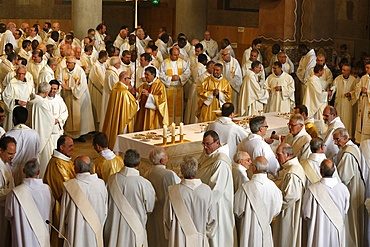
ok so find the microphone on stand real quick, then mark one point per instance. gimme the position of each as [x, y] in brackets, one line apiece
[55, 229]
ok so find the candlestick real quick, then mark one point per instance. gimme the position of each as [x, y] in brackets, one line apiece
[173, 129]
[181, 129]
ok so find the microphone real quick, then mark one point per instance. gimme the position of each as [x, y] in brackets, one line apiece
[55, 229]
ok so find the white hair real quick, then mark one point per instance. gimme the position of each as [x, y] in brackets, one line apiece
[156, 155]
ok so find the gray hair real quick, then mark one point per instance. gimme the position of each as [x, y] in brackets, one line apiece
[239, 155]
[261, 163]
[281, 53]
[288, 150]
[256, 123]
[315, 144]
[114, 60]
[298, 118]
[31, 168]
[82, 165]
[327, 168]
[342, 131]
[156, 154]
[44, 87]
[189, 167]
[131, 158]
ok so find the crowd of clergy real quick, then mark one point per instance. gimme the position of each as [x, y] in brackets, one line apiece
[312, 190]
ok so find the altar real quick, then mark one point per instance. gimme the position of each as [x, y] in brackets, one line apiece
[192, 145]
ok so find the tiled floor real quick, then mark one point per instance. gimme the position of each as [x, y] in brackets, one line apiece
[85, 148]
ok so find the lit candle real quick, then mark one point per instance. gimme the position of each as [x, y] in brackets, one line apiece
[173, 129]
[181, 128]
[164, 131]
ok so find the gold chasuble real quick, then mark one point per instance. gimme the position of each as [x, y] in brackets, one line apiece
[104, 168]
[147, 118]
[57, 172]
[120, 112]
[208, 103]
[175, 94]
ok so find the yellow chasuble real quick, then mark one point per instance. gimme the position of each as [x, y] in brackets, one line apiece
[311, 129]
[121, 110]
[148, 119]
[206, 112]
[57, 172]
[175, 94]
[104, 168]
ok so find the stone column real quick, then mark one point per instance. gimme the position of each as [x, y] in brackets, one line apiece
[191, 18]
[86, 14]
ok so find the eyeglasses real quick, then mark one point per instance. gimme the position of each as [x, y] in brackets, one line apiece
[207, 144]
[337, 139]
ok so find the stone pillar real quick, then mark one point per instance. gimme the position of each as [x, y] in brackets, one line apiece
[86, 14]
[191, 18]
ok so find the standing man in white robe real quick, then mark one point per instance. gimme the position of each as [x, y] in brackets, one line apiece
[35, 66]
[31, 195]
[229, 132]
[209, 45]
[255, 145]
[59, 110]
[327, 78]
[349, 171]
[233, 74]
[8, 37]
[311, 165]
[215, 170]
[17, 93]
[288, 225]
[324, 207]
[363, 119]
[281, 86]
[345, 97]
[307, 61]
[253, 96]
[43, 121]
[316, 97]
[96, 83]
[84, 201]
[131, 199]
[77, 98]
[47, 72]
[100, 36]
[239, 169]
[334, 122]
[110, 79]
[161, 178]
[7, 152]
[174, 73]
[28, 143]
[256, 203]
[256, 45]
[298, 138]
[198, 217]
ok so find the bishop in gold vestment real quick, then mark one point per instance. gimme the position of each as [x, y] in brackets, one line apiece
[59, 170]
[214, 92]
[122, 108]
[153, 111]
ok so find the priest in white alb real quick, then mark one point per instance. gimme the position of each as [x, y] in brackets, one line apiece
[256, 203]
[59, 110]
[345, 97]
[349, 170]
[131, 199]
[287, 227]
[242, 163]
[215, 170]
[35, 65]
[253, 96]
[282, 89]
[47, 72]
[363, 119]
[324, 207]
[188, 213]
[28, 206]
[77, 97]
[42, 120]
[83, 206]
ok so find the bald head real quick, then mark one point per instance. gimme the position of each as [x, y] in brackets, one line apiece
[327, 168]
[82, 164]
